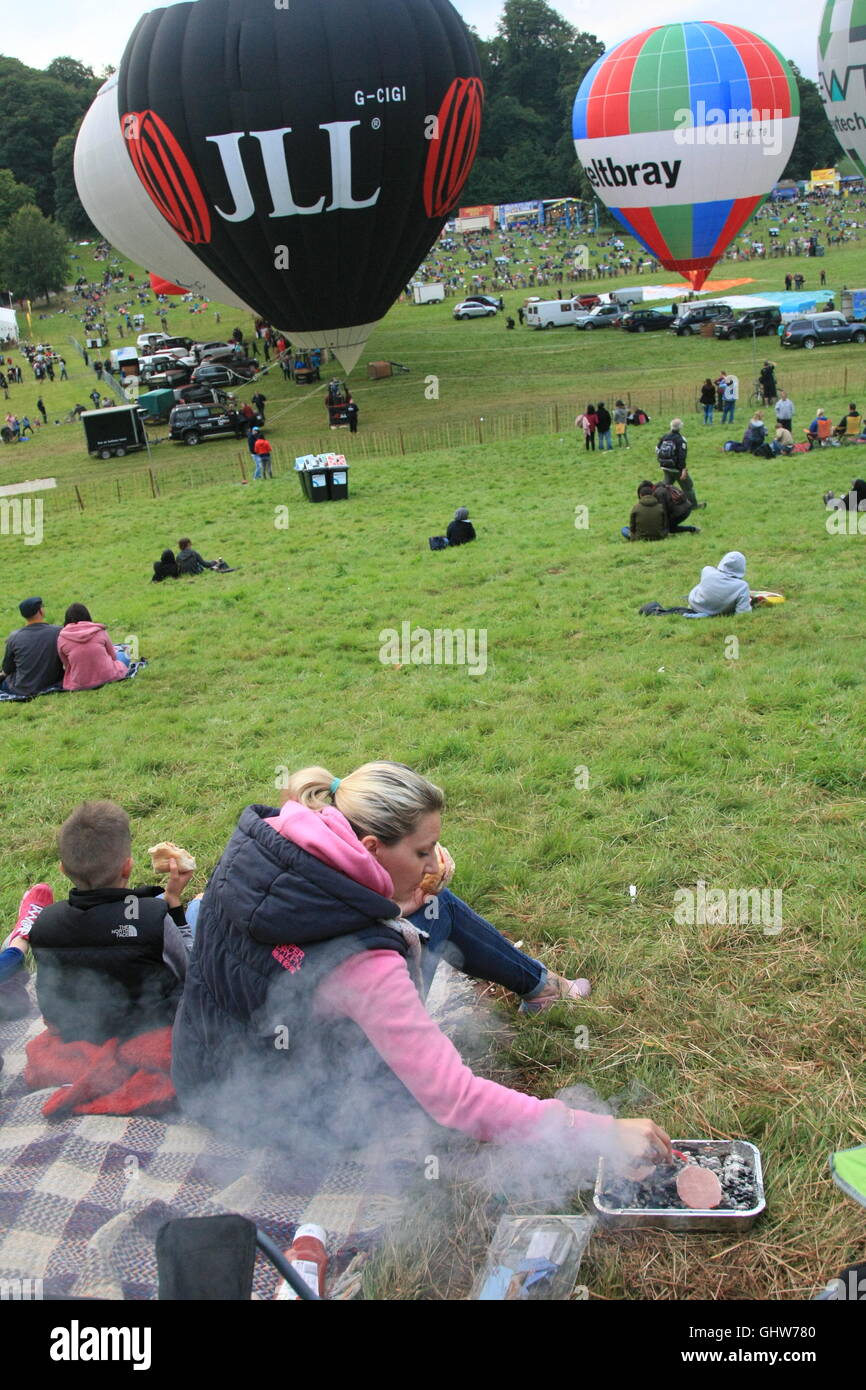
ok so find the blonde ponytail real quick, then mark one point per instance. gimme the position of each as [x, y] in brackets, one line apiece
[384, 799]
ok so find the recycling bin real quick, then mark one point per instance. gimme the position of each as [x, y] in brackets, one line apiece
[338, 483]
[317, 482]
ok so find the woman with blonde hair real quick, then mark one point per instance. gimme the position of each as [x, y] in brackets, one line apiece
[303, 1004]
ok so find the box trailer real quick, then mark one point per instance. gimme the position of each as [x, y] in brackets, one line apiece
[115, 431]
[853, 304]
[428, 294]
[632, 294]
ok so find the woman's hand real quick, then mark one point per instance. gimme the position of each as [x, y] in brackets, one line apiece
[641, 1141]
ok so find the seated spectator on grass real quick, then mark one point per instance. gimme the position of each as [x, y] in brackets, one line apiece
[165, 567]
[677, 508]
[819, 431]
[755, 433]
[854, 500]
[850, 426]
[783, 441]
[89, 656]
[349, 859]
[722, 588]
[190, 562]
[460, 531]
[31, 663]
[93, 981]
[649, 518]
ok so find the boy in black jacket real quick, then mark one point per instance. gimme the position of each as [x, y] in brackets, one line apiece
[110, 960]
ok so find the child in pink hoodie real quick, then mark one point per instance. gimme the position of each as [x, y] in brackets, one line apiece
[87, 652]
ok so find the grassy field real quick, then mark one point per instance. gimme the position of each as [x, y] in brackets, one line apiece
[597, 749]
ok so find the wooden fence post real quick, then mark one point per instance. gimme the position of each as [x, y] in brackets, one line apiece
[78, 495]
[556, 417]
[402, 445]
[243, 470]
[153, 483]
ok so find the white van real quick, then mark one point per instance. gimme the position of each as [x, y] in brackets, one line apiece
[552, 313]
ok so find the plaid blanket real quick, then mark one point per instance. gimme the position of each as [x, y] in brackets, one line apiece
[81, 1198]
[134, 668]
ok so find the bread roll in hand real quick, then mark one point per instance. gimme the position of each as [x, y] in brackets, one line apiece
[162, 854]
[434, 883]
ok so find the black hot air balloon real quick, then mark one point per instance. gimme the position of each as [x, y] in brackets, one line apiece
[307, 154]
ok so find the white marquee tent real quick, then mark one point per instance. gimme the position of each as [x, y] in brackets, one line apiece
[8, 325]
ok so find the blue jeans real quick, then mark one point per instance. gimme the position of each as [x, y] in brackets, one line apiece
[469, 943]
[604, 439]
[728, 412]
[708, 414]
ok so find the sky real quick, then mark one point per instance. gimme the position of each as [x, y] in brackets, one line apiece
[95, 33]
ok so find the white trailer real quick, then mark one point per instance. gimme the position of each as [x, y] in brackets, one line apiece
[428, 294]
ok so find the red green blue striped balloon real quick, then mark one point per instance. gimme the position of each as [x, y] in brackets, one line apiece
[682, 131]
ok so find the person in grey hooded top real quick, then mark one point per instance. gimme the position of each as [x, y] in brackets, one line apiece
[722, 588]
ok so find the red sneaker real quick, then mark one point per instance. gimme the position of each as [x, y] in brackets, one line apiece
[37, 897]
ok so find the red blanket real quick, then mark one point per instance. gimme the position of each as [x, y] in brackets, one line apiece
[130, 1078]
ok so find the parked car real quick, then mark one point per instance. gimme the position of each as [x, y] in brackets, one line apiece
[494, 301]
[757, 322]
[822, 328]
[587, 301]
[190, 424]
[202, 350]
[604, 316]
[154, 366]
[212, 395]
[217, 374]
[473, 309]
[691, 320]
[646, 320]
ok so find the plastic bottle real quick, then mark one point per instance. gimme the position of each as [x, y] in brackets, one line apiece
[308, 1255]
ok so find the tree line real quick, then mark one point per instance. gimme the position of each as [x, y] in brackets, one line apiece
[531, 69]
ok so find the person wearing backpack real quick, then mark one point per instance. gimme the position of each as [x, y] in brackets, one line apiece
[671, 452]
[588, 422]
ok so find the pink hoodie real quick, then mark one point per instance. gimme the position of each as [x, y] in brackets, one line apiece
[375, 990]
[88, 657]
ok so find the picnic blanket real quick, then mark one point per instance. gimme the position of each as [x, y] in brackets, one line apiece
[83, 1196]
[134, 668]
[129, 1078]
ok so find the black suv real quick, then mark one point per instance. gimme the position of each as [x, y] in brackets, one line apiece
[190, 424]
[757, 321]
[822, 328]
[690, 320]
